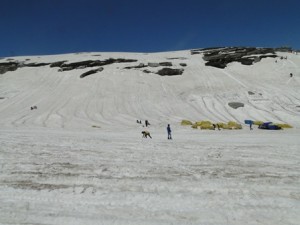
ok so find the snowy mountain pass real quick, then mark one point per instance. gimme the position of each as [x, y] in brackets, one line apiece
[71, 151]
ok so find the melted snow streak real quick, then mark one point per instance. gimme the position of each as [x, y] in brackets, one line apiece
[118, 96]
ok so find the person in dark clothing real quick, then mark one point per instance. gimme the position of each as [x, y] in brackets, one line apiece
[251, 126]
[147, 123]
[169, 131]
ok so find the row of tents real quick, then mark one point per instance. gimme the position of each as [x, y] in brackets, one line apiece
[208, 125]
[232, 125]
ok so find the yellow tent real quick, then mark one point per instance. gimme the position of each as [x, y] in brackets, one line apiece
[283, 125]
[186, 122]
[233, 125]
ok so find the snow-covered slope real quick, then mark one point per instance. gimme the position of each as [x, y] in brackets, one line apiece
[57, 169]
[119, 96]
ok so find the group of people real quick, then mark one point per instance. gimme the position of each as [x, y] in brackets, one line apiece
[146, 122]
[216, 126]
[146, 134]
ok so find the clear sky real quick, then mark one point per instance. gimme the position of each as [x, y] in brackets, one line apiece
[42, 27]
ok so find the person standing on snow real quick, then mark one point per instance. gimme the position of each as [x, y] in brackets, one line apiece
[147, 123]
[169, 131]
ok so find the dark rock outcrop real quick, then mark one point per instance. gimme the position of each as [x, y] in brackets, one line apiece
[57, 64]
[141, 65]
[147, 71]
[236, 105]
[170, 72]
[165, 64]
[35, 64]
[219, 57]
[182, 58]
[8, 66]
[93, 63]
[91, 72]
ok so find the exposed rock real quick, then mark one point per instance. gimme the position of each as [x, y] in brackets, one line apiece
[251, 93]
[8, 66]
[65, 69]
[57, 64]
[220, 57]
[93, 63]
[36, 64]
[182, 64]
[182, 58]
[170, 72]
[165, 64]
[141, 65]
[217, 63]
[246, 61]
[236, 105]
[91, 72]
[147, 71]
[267, 56]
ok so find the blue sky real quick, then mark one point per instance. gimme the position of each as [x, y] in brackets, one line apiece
[42, 27]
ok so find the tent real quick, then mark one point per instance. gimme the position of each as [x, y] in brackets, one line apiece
[269, 126]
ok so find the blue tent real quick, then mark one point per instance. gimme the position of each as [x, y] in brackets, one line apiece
[269, 126]
[248, 122]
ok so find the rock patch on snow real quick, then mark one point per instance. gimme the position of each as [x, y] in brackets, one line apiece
[170, 72]
[91, 72]
[219, 57]
[236, 105]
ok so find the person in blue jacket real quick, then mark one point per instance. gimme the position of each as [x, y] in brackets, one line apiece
[169, 131]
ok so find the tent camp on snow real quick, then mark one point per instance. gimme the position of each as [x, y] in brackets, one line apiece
[267, 125]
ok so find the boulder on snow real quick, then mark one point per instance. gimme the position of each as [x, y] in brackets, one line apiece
[165, 64]
[236, 105]
[8, 66]
[57, 64]
[91, 72]
[170, 72]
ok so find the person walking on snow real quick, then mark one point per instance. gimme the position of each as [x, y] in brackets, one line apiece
[169, 131]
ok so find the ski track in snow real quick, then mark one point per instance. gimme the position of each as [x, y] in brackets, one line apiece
[80, 159]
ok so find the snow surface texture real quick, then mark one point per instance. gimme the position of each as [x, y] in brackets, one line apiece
[80, 158]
